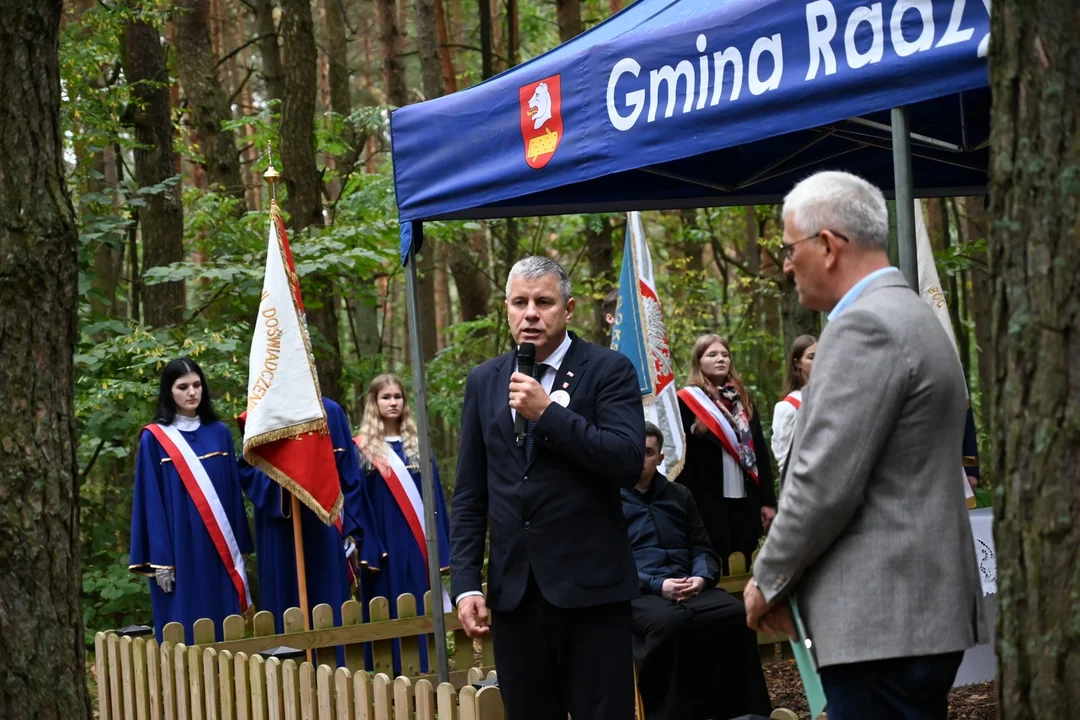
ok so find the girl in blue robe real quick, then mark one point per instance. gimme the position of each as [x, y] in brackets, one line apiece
[169, 540]
[388, 426]
[324, 552]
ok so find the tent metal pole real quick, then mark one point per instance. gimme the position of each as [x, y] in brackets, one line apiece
[905, 210]
[420, 408]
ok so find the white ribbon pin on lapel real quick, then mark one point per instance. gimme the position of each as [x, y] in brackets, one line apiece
[560, 397]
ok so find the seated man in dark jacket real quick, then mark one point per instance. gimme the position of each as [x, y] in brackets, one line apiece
[695, 657]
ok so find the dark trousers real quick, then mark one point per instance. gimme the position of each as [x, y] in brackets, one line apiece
[908, 688]
[697, 660]
[553, 661]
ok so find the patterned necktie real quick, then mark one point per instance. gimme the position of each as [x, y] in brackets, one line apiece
[538, 373]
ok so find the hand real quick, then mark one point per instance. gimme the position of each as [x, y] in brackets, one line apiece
[473, 613]
[973, 482]
[767, 515]
[697, 584]
[165, 578]
[675, 589]
[756, 607]
[527, 396]
[778, 620]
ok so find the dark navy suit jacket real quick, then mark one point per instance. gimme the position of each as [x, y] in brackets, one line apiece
[560, 516]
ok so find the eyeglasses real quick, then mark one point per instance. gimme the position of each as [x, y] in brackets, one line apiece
[786, 250]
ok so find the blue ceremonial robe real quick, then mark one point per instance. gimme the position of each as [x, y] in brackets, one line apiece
[167, 530]
[402, 570]
[324, 553]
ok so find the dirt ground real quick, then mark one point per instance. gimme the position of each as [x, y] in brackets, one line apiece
[973, 702]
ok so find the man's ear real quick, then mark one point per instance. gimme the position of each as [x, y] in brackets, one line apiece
[661, 457]
[570, 305]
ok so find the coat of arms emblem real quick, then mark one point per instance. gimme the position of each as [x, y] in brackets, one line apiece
[541, 119]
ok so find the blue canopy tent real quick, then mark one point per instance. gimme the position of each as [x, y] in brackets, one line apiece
[695, 103]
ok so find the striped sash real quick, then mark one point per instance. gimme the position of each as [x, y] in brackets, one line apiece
[201, 490]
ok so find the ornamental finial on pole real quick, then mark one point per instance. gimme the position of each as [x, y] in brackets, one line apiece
[271, 175]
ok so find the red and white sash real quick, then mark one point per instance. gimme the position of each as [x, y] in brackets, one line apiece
[202, 493]
[709, 415]
[399, 480]
[793, 400]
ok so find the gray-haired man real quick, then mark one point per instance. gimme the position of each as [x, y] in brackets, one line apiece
[872, 534]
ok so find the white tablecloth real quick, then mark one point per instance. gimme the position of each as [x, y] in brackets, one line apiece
[980, 663]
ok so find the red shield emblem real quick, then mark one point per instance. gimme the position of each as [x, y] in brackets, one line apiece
[541, 119]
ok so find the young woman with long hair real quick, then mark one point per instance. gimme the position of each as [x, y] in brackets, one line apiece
[796, 374]
[727, 466]
[187, 493]
[390, 466]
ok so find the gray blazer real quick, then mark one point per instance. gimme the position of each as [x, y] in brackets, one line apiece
[872, 532]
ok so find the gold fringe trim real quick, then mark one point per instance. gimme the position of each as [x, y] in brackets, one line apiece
[327, 518]
[285, 433]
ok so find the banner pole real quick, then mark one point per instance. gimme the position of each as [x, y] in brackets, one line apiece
[301, 565]
[272, 176]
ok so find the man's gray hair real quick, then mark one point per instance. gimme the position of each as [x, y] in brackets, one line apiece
[536, 266]
[840, 202]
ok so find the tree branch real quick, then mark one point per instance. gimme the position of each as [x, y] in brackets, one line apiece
[199, 311]
[459, 47]
[240, 87]
[93, 460]
[249, 43]
[718, 252]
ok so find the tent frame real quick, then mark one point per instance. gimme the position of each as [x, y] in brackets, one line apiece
[905, 222]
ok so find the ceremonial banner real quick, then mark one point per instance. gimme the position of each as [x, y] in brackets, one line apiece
[930, 290]
[639, 333]
[285, 429]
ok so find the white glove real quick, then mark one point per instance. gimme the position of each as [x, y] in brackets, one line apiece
[350, 547]
[166, 578]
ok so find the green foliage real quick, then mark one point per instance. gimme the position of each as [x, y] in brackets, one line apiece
[112, 597]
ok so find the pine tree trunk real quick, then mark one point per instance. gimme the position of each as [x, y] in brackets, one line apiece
[208, 106]
[446, 56]
[973, 228]
[390, 39]
[568, 15]
[513, 33]
[431, 74]
[600, 253]
[301, 176]
[427, 42]
[1035, 333]
[470, 279]
[269, 51]
[487, 63]
[42, 661]
[161, 220]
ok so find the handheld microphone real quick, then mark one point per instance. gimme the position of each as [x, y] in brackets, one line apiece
[526, 361]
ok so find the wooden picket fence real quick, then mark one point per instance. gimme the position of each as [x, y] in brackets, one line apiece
[140, 680]
[230, 679]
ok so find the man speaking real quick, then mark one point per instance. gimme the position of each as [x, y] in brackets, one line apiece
[543, 456]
